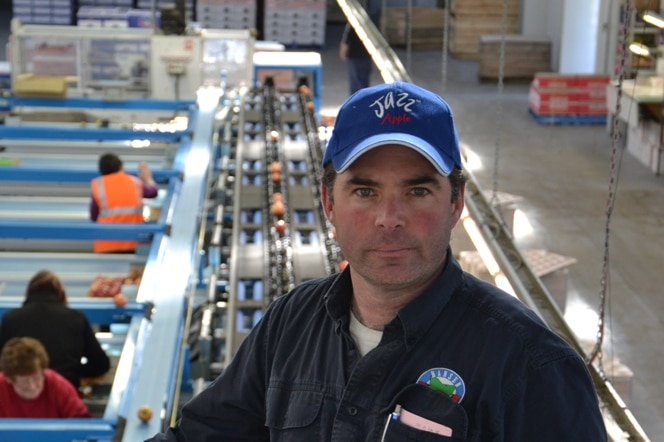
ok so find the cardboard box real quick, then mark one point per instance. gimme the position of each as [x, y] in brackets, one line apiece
[29, 85]
[554, 80]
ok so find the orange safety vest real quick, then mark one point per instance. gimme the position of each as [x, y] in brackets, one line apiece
[119, 197]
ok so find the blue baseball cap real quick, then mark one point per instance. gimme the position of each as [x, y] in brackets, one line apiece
[394, 113]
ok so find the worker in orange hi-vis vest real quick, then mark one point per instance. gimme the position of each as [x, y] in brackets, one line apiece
[117, 197]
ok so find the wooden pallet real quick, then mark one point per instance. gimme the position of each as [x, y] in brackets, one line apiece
[465, 32]
[427, 27]
[484, 7]
[568, 120]
[524, 56]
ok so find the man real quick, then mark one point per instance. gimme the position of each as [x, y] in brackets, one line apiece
[357, 58]
[29, 389]
[402, 344]
[117, 197]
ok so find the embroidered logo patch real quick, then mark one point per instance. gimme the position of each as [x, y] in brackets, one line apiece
[445, 381]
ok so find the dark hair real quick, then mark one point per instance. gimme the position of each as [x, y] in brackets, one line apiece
[109, 163]
[45, 281]
[457, 178]
[22, 357]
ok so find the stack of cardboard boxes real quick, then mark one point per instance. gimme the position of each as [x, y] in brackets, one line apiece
[295, 22]
[568, 95]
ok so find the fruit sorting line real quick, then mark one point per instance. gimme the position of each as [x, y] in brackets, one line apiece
[268, 231]
[44, 197]
[239, 224]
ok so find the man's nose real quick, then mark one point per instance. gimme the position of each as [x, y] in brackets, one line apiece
[391, 213]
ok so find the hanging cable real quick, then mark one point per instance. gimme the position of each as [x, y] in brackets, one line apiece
[596, 352]
[446, 27]
[409, 34]
[501, 76]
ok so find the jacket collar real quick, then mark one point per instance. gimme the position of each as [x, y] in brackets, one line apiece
[42, 297]
[413, 320]
[418, 316]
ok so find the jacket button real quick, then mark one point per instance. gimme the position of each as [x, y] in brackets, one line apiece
[352, 411]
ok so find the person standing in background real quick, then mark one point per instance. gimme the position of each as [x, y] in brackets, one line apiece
[117, 197]
[64, 332]
[29, 389]
[357, 58]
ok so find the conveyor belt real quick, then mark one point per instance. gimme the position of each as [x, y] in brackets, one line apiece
[277, 235]
[50, 182]
[27, 197]
[76, 270]
[38, 207]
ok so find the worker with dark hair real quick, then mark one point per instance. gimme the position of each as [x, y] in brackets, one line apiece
[29, 389]
[402, 344]
[65, 333]
[117, 197]
[357, 58]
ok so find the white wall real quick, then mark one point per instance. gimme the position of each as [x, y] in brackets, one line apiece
[582, 32]
[607, 36]
[578, 46]
[544, 18]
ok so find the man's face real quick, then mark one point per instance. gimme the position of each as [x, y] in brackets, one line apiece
[30, 386]
[393, 217]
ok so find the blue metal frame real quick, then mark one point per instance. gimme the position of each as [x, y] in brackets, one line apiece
[169, 287]
[152, 356]
[98, 311]
[182, 153]
[57, 430]
[27, 229]
[123, 380]
[41, 175]
[35, 132]
[139, 343]
[97, 133]
[99, 103]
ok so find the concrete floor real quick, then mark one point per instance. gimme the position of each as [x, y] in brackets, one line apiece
[562, 175]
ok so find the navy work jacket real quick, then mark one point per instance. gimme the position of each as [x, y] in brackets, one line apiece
[464, 355]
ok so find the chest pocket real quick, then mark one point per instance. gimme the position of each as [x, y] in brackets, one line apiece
[431, 405]
[293, 414]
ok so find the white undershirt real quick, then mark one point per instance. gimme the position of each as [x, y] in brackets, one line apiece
[366, 338]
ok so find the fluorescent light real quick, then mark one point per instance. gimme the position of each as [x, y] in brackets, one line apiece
[640, 49]
[485, 253]
[481, 246]
[472, 161]
[654, 19]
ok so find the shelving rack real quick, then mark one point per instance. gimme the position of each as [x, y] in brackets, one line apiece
[637, 32]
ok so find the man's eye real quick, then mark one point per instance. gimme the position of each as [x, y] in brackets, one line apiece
[363, 192]
[420, 191]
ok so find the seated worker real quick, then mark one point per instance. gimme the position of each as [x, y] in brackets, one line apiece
[65, 333]
[29, 389]
[117, 197]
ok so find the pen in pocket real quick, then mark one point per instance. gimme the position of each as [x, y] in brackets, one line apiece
[394, 416]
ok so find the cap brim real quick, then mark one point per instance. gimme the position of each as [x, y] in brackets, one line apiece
[444, 166]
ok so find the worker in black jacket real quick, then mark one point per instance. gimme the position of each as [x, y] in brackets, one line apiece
[65, 333]
[358, 61]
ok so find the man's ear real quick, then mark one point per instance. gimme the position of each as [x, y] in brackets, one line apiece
[328, 203]
[458, 205]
